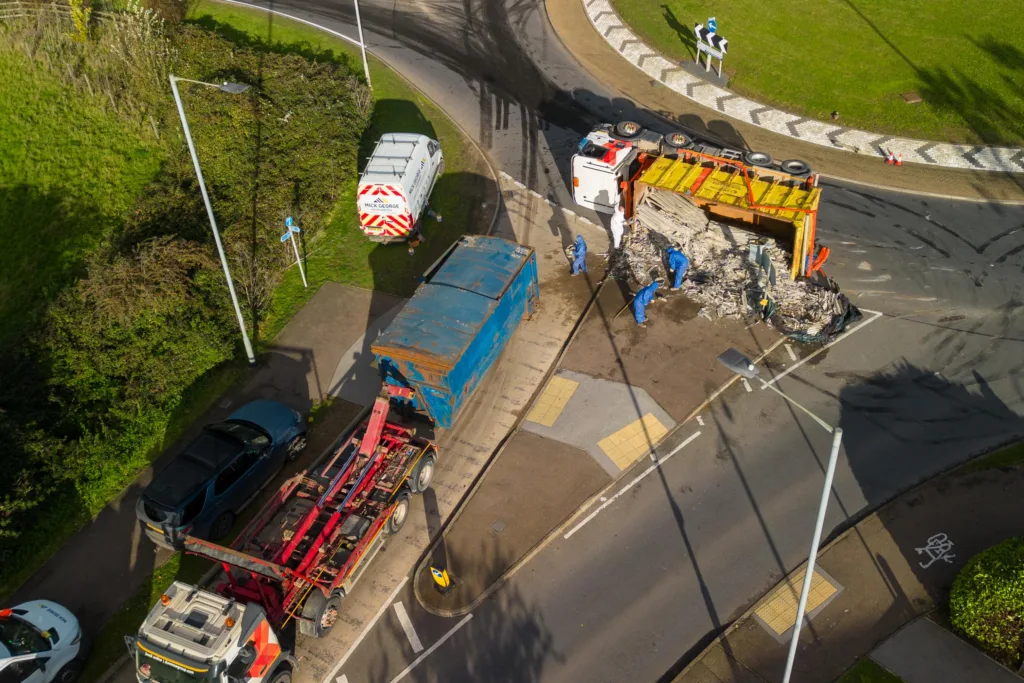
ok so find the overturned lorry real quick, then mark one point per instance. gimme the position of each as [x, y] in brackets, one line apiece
[303, 552]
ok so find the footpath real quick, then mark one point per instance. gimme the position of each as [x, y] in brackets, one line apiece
[576, 29]
[875, 580]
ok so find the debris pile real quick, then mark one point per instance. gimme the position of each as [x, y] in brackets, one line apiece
[733, 272]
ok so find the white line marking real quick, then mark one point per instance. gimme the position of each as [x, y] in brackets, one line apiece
[746, 384]
[415, 662]
[288, 16]
[630, 485]
[341, 679]
[378, 615]
[792, 354]
[700, 420]
[858, 328]
[410, 632]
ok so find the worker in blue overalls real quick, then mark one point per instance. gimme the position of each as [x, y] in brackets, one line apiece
[678, 264]
[579, 256]
[641, 301]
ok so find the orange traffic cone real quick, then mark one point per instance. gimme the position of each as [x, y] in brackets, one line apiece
[889, 158]
[899, 159]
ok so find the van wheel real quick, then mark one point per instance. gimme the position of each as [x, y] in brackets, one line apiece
[762, 159]
[69, 672]
[627, 129]
[221, 526]
[319, 614]
[423, 474]
[401, 513]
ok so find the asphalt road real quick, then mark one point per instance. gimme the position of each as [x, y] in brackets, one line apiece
[653, 576]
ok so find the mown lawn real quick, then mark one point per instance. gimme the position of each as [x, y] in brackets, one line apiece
[812, 57]
[866, 671]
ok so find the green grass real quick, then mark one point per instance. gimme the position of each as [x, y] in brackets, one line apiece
[866, 671]
[812, 57]
[342, 253]
[69, 171]
[1011, 456]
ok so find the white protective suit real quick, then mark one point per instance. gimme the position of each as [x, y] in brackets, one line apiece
[618, 226]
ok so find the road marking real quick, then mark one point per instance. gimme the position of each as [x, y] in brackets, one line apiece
[293, 18]
[410, 632]
[446, 636]
[370, 625]
[700, 420]
[341, 679]
[746, 384]
[858, 328]
[792, 354]
[630, 485]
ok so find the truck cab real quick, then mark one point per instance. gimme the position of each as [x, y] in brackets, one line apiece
[598, 169]
[40, 642]
[197, 636]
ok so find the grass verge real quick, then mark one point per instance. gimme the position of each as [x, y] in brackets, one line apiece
[1011, 456]
[965, 58]
[866, 671]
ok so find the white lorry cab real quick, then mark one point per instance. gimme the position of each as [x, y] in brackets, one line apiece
[598, 169]
[40, 642]
[396, 184]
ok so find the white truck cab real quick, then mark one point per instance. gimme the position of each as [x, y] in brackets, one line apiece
[598, 168]
[396, 184]
[40, 642]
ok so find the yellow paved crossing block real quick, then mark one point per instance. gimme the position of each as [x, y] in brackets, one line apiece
[552, 402]
[778, 612]
[633, 441]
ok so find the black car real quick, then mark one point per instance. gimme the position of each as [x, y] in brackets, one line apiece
[219, 472]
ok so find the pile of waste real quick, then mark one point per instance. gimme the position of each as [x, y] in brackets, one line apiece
[734, 272]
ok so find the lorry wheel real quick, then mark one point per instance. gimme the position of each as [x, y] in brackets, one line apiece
[627, 129]
[762, 159]
[69, 672]
[319, 614]
[678, 140]
[401, 512]
[796, 167]
[284, 676]
[221, 526]
[422, 475]
[296, 446]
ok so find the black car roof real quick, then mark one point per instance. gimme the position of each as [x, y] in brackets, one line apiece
[195, 466]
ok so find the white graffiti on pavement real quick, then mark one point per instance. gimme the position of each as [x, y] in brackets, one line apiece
[937, 548]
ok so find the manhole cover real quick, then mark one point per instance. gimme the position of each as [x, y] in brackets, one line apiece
[499, 526]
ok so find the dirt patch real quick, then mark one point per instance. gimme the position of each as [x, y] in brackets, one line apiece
[533, 486]
[673, 358]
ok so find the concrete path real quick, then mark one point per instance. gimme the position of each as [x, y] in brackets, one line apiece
[924, 652]
[669, 73]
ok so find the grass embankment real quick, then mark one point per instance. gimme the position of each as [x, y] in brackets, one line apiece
[965, 58]
[866, 671]
[340, 253]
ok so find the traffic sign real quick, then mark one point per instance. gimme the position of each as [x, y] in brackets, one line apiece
[284, 237]
[441, 578]
[712, 25]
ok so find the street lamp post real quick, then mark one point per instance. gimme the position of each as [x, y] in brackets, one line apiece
[234, 89]
[742, 366]
[362, 45]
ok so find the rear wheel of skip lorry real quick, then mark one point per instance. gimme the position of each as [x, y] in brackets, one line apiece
[796, 167]
[628, 129]
[319, 614]
[678, 140]
[762, 159]
[423, 474]
[399, 514]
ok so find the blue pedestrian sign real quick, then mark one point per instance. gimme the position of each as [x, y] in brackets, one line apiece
[291, 226]
[284, 237]
[712, 25]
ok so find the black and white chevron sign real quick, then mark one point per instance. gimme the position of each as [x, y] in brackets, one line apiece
[710, 38]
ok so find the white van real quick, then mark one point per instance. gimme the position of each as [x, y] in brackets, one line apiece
[396, 184]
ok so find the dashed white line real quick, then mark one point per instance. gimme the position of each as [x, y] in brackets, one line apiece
[446, 636]
[630, 485]
[858, 328]
[792, 353]
[746, 384]
[370, 625]
[700, 420]
[410, 631]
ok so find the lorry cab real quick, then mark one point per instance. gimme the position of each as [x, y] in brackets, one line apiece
[197, 636]
[598, 169]
[396, 184]
[40, 642]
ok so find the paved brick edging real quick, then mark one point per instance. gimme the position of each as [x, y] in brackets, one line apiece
[622, 39]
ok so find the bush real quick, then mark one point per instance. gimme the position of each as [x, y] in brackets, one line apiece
[987, 601]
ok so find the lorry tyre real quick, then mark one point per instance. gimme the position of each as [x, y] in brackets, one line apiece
[423, 474]
[678, 140]
[282, 676]
[319, 614]
[295, 447]
[69, 672]
[401, 513]
[628, 129]
[221, 526]
[762, 159]
[796, 167]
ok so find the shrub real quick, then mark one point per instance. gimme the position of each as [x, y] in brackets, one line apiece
[987, 600]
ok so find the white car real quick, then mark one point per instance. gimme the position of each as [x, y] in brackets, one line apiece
[40, 642]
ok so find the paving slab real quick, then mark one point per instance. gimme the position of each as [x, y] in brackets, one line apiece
[924, 652]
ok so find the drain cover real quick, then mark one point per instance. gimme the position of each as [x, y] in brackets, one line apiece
[499, 526]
